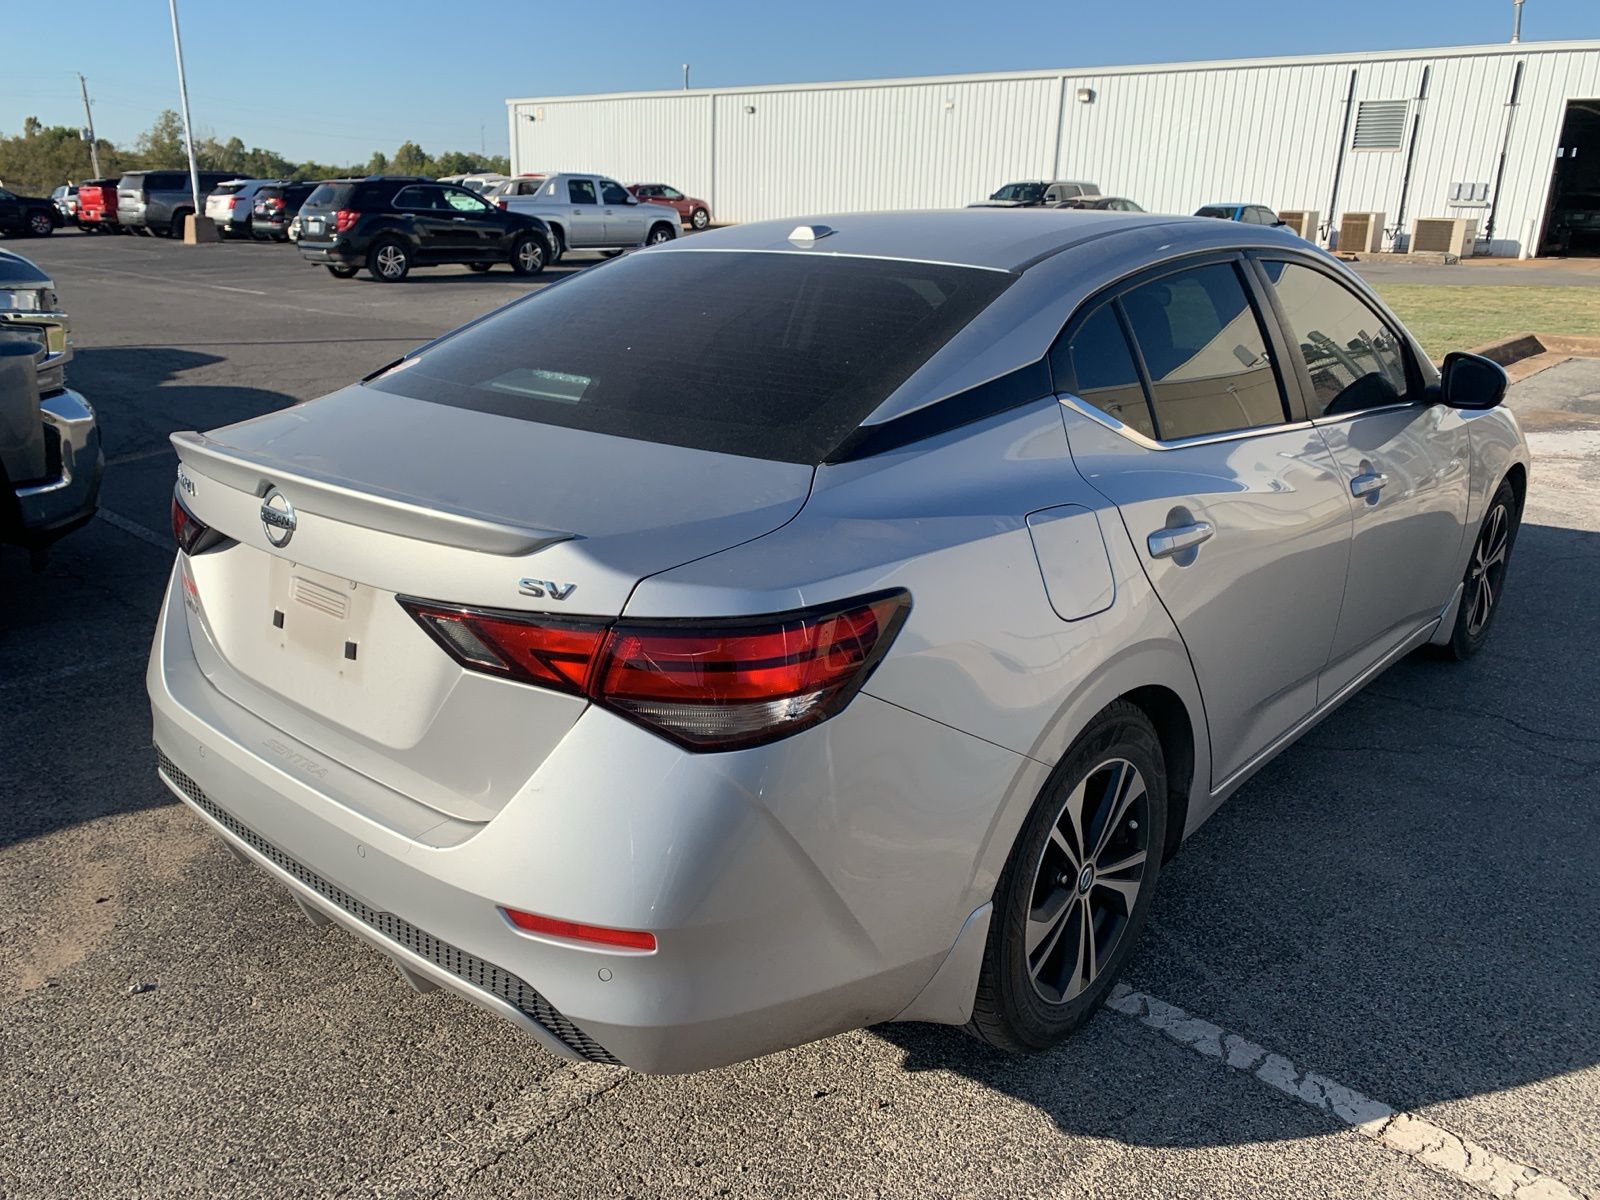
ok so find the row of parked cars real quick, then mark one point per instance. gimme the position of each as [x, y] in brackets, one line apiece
[1080, 193]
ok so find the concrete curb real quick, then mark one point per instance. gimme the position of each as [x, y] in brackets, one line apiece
[1525, 354]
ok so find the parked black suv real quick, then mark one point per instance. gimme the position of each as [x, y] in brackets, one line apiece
[27, 214]
[390, 224]
[276, 206]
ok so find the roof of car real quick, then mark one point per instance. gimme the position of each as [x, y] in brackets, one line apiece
[992, 238]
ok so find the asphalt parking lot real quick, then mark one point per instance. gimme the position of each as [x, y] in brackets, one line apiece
[1399, 912]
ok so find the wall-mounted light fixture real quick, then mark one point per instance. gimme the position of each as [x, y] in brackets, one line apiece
[1085, 95]
[749, 110]
[949, 104]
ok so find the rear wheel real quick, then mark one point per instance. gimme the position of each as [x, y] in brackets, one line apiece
[339, 271]
[40, 224]
[177, 223]
[661, 232]
[479, 267]
[1077, 887]
[1486, 574]
[389, 262]
[699, 218]
[528, 255]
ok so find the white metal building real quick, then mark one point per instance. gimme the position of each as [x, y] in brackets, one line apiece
[1475, 132]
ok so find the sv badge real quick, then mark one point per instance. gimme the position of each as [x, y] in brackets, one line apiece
[539, 588]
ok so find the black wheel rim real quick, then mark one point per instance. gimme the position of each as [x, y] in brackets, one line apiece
[1087, 881]
[42, 223]
[1487, 571]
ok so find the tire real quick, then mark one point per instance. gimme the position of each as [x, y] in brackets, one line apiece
[660, 232]
[1032, 997]
[609, 253]
[479, 267]
[339, 271]
[529, 254]
[389, 261]
[177, 223]
[558, 246]
[699, 219]
[1484, 581]
[40, 224]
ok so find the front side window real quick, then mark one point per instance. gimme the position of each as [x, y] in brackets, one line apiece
[613, 193]
[1205, 353]
[580, 191]
[1354, 359]
[667, 193]
[1096, 366]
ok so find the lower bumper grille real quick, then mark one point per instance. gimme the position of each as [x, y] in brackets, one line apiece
[467, 967]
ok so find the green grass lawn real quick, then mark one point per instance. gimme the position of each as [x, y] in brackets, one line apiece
[1445, 318]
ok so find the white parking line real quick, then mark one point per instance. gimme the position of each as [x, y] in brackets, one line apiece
[1411, 1135]
[117, 521]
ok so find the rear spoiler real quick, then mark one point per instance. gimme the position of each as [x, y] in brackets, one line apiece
[370, 508]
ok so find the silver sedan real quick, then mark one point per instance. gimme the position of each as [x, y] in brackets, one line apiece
[799, 627]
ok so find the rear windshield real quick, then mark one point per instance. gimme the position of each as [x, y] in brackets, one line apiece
[776, 356]
[1212, 210]
[227, 189]
[330, 195]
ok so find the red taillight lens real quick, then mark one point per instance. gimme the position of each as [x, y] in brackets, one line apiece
[344, 220]
[191, 534]
[275, 202]
[502, 206]
[600, 935]
[707, 685]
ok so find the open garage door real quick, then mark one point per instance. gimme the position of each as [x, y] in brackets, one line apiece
[1572, 222]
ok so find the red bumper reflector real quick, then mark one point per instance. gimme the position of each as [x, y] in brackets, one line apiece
[599, 935]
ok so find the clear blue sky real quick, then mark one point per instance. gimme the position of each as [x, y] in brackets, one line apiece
[336, 79]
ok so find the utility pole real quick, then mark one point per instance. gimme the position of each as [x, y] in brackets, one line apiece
[183, 95]
[88, 116]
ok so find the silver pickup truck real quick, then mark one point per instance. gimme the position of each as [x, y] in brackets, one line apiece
[586, 212]
[50, 456]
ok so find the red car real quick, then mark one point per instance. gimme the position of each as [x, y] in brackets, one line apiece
[696, 214]
[97, 205]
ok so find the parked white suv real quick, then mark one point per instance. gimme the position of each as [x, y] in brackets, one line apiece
[586, 212]
[231, 204]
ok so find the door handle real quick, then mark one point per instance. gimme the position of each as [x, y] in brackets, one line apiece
[1175, 539]
[458, 218]
[1366, 485]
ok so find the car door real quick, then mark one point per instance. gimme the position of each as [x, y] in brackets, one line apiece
[626, 219]
[439, 239]
[1405, 462]
[1177, 414]
[586, 225]
[479, 229]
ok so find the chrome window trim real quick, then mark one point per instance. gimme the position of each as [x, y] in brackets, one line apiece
[1419, 405]
[1084, 408]
[678, 247]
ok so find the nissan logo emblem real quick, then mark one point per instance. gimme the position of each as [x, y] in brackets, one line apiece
[277, 517]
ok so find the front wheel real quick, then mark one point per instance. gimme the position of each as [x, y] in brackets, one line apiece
[660, 233]
[389, 262]
[699, 218]
[339, 271]
[1485, 579]
[528, 255]
[1077, 887]
[40, 224]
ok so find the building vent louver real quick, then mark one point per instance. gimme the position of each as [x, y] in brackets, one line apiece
[1380, 125]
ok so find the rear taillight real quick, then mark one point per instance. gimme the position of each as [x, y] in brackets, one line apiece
[707, 685]
[275, 202]
[344, 220]
[502, 206]
[192, 535]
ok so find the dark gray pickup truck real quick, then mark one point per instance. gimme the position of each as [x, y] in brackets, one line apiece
[50, 456]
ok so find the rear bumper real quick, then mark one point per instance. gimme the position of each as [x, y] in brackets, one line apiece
[773, 928]
[338, 253]
[55, 507]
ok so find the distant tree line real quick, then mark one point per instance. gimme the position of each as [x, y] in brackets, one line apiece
[43, 157]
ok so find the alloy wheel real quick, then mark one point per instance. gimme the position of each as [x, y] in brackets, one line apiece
[660, 234]
[391, 262]
[530, 255]
[1487, 570]
[700, 219]
[1087, 880]
[41, 224]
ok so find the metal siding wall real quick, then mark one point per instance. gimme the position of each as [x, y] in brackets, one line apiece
[643, 140]
[860, 149]
[1170, 139]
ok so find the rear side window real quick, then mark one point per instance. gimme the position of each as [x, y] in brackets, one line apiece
[1204, 352]
[1354, 359]
[776, 356]
[420, 199]
[580, 191]
[1096, 365]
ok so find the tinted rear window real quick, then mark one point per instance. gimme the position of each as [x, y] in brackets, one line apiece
[330, 195]
[227, 189]
[775, 356]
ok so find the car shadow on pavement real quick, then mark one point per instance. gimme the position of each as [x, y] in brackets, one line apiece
[1404, 901]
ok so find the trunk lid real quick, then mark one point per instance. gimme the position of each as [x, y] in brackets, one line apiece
[393, 496]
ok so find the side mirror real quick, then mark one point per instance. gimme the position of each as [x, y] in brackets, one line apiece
[1280, 224]
[1471, 381]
